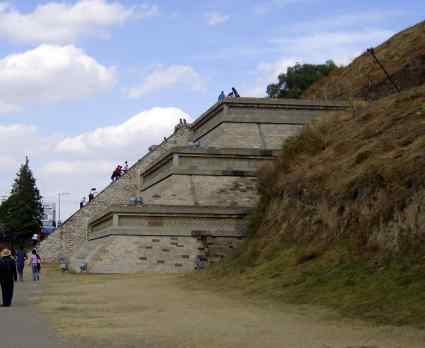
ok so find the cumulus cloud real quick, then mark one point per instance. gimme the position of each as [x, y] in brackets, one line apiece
[216, 18]
[60, 22]
[49, 74]
[165, 77]
[75, 164]
[77, 167]
[138, 132]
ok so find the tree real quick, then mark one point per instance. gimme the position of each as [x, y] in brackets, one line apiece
[298, 78]
[22, 212]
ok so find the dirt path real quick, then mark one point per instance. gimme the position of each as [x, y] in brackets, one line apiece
[21, 326]
[152, 310]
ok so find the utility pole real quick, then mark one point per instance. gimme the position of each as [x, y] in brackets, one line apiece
[59, 207]
[371, 51]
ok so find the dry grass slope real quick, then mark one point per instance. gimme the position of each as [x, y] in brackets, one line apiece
[357, 176]
[403, 56]
[341, 221]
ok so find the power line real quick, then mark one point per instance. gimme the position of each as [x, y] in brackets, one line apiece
[371, 51]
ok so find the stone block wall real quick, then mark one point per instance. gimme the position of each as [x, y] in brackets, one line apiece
[255, 122]
[129, 254]
[160, 238]
[233, 135]
[203, 190]
[217, 248]
[249, 135]
[69, 237]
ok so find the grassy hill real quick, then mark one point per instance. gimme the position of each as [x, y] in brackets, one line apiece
[341, 220]
[403, 56]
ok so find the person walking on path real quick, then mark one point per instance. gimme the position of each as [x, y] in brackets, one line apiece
[38, 264]
[34, 266]
[21, 257]
[8, 277]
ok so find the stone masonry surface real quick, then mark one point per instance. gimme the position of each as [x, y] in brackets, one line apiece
[67, 238]
[202, 179]
[160, 238]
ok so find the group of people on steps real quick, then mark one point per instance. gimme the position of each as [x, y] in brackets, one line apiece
[12, 266]
[116, 174]
[119, 171]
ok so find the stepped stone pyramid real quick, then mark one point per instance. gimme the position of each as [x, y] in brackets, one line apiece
[198, 187]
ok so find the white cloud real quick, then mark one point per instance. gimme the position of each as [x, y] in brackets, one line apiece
[77, 168]
[8, 108]
[75, 164]
[49, 74]
[138, 132]
[59, 22]
[216, 18]
[165, 77]
[267, 72]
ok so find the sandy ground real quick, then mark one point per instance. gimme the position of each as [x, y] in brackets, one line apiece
[154, 310]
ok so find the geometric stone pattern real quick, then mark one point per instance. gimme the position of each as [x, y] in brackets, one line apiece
[137, 254]
[202, 169]
[232, 191]
[196, 176]
[160, 238]
[176, 226]
[152, 254]
[256, 122]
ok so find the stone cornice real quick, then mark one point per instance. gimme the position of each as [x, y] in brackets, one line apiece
[170, 210]
[267, 103]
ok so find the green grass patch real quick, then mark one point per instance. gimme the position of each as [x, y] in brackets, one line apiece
[384, 292]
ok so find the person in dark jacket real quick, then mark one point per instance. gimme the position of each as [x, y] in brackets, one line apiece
[21, 257]
[8, 276]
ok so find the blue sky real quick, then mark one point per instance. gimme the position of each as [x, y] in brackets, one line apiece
[87, 83]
